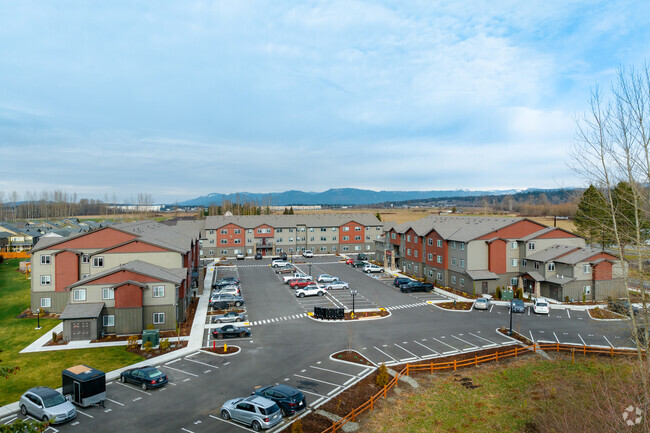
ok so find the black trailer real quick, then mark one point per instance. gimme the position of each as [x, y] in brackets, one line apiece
[84, 386]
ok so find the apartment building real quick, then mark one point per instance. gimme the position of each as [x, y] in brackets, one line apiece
[125, 276]
[479, 254]
[226, 236]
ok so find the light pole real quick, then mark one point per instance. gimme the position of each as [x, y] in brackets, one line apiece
[353, 292]
[309, 268]
[38, 318]
[510, 332]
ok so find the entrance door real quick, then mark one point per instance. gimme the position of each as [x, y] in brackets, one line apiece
[81, 330]
[484, 287]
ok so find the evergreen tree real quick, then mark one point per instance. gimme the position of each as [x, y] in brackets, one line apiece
[291, 210]
[593, 219]
[378, 215]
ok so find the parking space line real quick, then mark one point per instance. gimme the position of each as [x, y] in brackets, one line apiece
[9, 419]
[116, 402]
[426, 347]
[84, 413]
[310, 392]
[318, 380]
[182, 371]
[184, 429]
[583, 341]
[449, 345]
[385, 353]
[173, 361]
[478, 336]
[491, 308]
[608, 342]
[567, 313]
[466, 342]
[407, 351]
[531, 336]
[204, 363]
[334, 390]
[333, 371]
[134, 389]
[556, 339]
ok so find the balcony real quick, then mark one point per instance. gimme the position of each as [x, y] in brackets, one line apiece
[261, 244]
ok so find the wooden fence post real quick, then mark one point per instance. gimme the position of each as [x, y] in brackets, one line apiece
[535, 347]
[497, 355]
[372, 400]
[612, 350]
[454, 365]
[558, 346]
[431, 367]
[475, 360]
[385, 390]
[353, 414]
[584, 349]
[516, 348]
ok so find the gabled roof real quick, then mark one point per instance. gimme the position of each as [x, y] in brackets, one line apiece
[155, 232]
[87, 310]
[553, 252]
[581, 255]
[457, 228]
[175, 276]
[282, 221]
[559, 279]
[535, 275]
[482, 274]
[538, 233]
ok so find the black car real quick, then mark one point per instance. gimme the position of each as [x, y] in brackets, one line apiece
[259, 256]
[230, 331]
[398, 281]
[146, 377]
[416, 286]
[289, 399]
[362, 256]
[622, 306]
[282, 256]
[358, 264]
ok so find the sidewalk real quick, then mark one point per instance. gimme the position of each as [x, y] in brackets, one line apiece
[195, 343]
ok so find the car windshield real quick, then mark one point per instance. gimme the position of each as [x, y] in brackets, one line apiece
[269, 410]
[53, 400]
[154, 372]
[542, 304]
[481, 300]
[518, 302]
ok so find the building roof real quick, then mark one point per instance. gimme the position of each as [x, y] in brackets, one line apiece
[581, 255]
[281, 221]
[458, 228]
[552, 252]
[89, 310]
[482, 274]
[535, 275]
[175, 276]
[559, 279]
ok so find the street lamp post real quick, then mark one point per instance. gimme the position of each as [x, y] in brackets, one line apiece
[510, 332]
[309, 268]
[353, 292]
[38, 318]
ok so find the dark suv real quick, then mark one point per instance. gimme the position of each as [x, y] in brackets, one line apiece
[398, 281]
[289, 399]
[362, 256]
[622, 306]
[416, 286]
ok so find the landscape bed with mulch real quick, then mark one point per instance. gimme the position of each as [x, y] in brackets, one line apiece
[28, 314]
[459, 292]
[458, 306]
[217, 312]
[138, 350]
[364, 314]
[219, 350]
[601, 313]
[517, 336]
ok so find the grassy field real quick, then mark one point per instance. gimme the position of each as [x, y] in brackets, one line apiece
[511, 397]
[42, 368]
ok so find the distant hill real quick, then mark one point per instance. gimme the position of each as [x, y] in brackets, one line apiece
[335, 196]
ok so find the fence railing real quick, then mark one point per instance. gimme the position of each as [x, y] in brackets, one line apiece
[18, 255]
[455, 364]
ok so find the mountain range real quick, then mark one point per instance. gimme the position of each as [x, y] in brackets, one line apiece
[335, 196]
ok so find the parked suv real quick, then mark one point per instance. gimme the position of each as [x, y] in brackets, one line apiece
[362, 256]
[517, 306]
[416, 286]
[279, 263]
[308, 254]
[289, 399]
[398, 281]
[369, 267]
[225, 300]
[46, 404]
[255, 411]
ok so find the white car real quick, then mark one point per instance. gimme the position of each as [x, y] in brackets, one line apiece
[369, 267]
[287, 279]
[482, 304]
[326, 278]
[540, 306]
[308, 254]
[337, 285]
[310, 290]
[279, 263]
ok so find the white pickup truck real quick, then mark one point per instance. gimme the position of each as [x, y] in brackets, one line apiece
[287, 278]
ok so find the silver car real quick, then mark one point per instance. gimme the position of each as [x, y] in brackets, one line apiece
[231, 316]
[337, 285]
[258, 412]
[46, 404]
[482, 304]
[326, 278]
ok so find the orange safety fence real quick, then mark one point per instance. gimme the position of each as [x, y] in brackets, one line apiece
[454, 364]
[20, 255]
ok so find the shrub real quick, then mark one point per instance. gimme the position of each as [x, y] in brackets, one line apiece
[498, 293]
[54, 337]
[148, 346]
[584, 297]
[297, 427]
[150, 326]
[566, 299]
[164, 344]
[383, 377]
[132, 342]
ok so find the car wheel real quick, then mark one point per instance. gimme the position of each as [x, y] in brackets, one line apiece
[301, 295]
[45, 419]
[284, 412]
[122, 379]
[237, 304]
[225, 414]
[321, 293]
[23, 409]
[242, 334]
[144, 386]
[238, 319]
[218, 320]
[256, 426]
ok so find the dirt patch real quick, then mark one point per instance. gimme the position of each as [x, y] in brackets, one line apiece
[601, 313]
[219, 350]
[466, 382]
[459, 292]
[364, 314]
[517, 336]
[138, 350]
[456, 305]
[58, 342]
[28, 314]
[351, 356]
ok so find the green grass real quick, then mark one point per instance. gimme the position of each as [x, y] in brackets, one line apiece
[43, 368]
[506, 398]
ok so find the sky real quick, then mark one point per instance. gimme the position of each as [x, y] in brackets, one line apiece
[179, 99]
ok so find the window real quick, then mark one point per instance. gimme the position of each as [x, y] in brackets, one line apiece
[415, 268]
[462, 246]
[46, 280]
[430, 273]
[237, 231]
[357, 228]
[346, 238]
[84, 276]
[408, 238]
[158, 318]
[323, 248]
[453, 245]
[551, 266]
[79, 294]
[211, 252]
[346, 229]
[408, 266]
[323, 229]
[430, 257]
[290, 239]
[262, 231]
[46, 302]
[513, 245]
[524, 262]
[415, 239]
[587, 290]
[278, 240]
[311, 239]
[430, 242]
[536, 266]
[224, 231]
[357, 248]
[368, 247]
[462, 282]
[85, 258]
[108, 320]
[46, 259]
[291, 250]
[334, 247]
[531, 246]
[291, 230]
[333, 238]
[278, 230]
[453, 261]
[393, 236]
[249, 231]
[439, 259]
[211, 232]
[212, 241]
[334, 229]
[586, 269]
[158, 291]
[513, 281]
[345, 249]
[453, 279]
[357, 238]
[415, 253]
[514, 262]
[311, 229]
[108, 293]
[438, 276]
[439, 243]
[238, 241]
[408, 251]
[462, 263]
[224, 241]
[323, 238]
[98, 262]
[367, 237]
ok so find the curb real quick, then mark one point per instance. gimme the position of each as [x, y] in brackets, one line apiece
[453, 311]
[353, 363]
[206, 350]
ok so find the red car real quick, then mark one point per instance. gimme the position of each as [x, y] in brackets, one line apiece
[300, 282]
[349, 261]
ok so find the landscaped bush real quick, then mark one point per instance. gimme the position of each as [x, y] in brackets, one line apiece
[382, 376]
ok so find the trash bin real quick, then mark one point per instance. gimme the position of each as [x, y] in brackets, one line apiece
[507, 294]
[152, 335]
